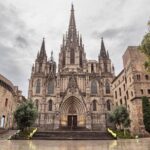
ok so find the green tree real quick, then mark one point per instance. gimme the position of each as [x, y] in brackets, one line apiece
[145, 48]
[25, 115]
[120, 117]
[146, 113]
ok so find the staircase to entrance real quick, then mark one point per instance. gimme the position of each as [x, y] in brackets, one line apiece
[72, 134]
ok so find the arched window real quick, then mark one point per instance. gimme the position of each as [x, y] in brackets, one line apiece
[72, 56]
[80, 58]
[92, 68]
[2, 121]
[40, 67]
[116, 94]
[108, 105]
[120, 91]
[146, 77]
[107, 86]
[105, 67]
[38, 86]
[50, 105]
[125, 101]
[94, 87]
[6, 102]
[94, 105]
[121, 101]
[37, 103]
[50, 88]
[64, 58]
[138, 77]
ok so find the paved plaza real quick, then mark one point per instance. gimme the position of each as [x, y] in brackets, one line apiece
[141, 144]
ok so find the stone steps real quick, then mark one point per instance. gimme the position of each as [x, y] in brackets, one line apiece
[72, 135]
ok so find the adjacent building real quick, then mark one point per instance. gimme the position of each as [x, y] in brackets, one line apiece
[10, 97]
[132, 83]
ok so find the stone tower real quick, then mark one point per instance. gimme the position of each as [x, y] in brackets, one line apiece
[72, 57]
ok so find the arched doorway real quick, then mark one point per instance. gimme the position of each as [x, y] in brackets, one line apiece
[2, 121]
[72, 117]
[72, 113]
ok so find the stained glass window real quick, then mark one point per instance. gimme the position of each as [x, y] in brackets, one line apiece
[94, 105]
[50, 87]
[107, 86]
[108, 105]
[94, 87]
[38, 86]
[64, 58]
[50, 105]
[80, 58]
[72, 56]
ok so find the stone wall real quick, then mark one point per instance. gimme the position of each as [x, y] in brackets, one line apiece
[131, 85]
[10, 97]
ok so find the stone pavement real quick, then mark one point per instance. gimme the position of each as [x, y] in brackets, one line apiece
[7, 134]
[129, 144]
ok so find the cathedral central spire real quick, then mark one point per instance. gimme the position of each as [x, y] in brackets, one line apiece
[72, 56]
[72, 25]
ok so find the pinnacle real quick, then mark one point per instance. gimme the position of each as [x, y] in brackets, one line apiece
[42, 53]
[103, 50]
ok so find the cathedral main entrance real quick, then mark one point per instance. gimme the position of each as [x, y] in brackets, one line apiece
[72, 113]
[72, 121]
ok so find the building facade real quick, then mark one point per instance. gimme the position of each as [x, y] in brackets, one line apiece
[10, 98]
[131, 85]
[79, 94]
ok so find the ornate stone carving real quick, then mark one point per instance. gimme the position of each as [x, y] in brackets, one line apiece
[72, 84]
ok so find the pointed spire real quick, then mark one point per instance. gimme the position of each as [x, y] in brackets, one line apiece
[72, 17]
[43, 45]
[63, 40]
[32, 67]
[38, 54]
[43, 51]
[107, 54]
[113, 69]
[72, 7]
[103, 50]
[72, 24]
[52, 56]
[80, 40]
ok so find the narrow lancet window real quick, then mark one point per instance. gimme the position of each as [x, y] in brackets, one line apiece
[72, 56]
[107, 86]
[50, 105]
[38, 86]
[94, 104]
[50, 87]
[94, 87]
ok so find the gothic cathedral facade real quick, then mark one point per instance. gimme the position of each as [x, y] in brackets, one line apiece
[79, 94]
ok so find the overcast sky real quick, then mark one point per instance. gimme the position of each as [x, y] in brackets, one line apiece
[23, 24]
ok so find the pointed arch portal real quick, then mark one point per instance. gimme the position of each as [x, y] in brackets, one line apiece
[72, 112]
